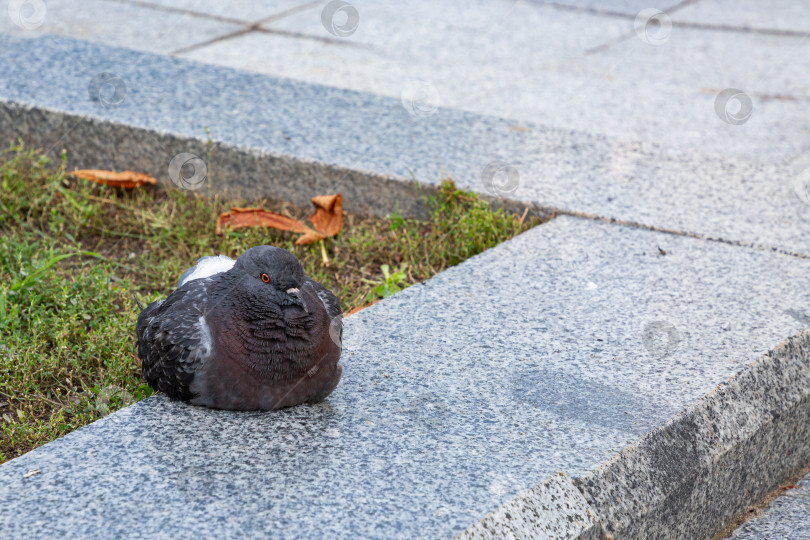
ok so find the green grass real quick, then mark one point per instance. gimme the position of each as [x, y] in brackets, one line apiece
[75, 255]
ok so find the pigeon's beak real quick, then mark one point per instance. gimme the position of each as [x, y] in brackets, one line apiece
[295, 294]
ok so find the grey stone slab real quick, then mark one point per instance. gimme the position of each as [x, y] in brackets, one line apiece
[530, 63]
[552, 509]
[288, 139]
[787, 516]
[112, 23]
[248, 11]
[551, 352]
[777, 15]
[695, 474]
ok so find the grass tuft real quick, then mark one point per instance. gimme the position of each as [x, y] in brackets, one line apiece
[75, 257]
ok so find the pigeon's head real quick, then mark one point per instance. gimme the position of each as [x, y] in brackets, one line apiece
[272, 274]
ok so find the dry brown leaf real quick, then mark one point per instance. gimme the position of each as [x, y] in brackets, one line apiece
[240, 218]
[327, 218]
[125, 179]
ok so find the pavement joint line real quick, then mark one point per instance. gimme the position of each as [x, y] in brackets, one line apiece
[217, 39]
[288, 12]
[300, 35]
[554, 211]
[256, 27]
[682, 24]
[593, 11]
[192, 12]
[604, 12]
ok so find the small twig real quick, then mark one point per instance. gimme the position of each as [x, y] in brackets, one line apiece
[520, 223]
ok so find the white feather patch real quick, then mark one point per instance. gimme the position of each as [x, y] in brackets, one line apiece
[207, 267]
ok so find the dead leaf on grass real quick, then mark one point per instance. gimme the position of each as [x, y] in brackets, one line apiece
[327, 218]
[125, 179]
[240, 218]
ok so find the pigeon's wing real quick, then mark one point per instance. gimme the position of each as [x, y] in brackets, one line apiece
[329, 300]
[174, 339]
[332, 306]
[206, 267]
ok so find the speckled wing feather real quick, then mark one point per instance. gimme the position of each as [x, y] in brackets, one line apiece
[329, 300]
[174, 339]
[332, 305]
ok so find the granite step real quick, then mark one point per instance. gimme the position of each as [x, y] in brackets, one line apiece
[584, 378]
[787, 516]
[270, 136]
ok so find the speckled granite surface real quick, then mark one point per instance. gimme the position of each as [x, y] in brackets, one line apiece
[700, 470]
[552, 352]
[290, 139]
[552, 509]
[787, 516]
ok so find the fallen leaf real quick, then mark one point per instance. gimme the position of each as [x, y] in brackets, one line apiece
[32, 472]
[240, 218]
[327, 218]
[125, 179]
[790, 486]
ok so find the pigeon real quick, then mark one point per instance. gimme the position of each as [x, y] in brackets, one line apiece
[253, 333]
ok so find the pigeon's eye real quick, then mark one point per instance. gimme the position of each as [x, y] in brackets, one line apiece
[265, 278]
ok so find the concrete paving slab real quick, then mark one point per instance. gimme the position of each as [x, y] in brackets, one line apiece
[775, 16]
[551, 352]
[247, 11]
[267, 130]
[117, 24]
[532, 63]
[787, 516]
